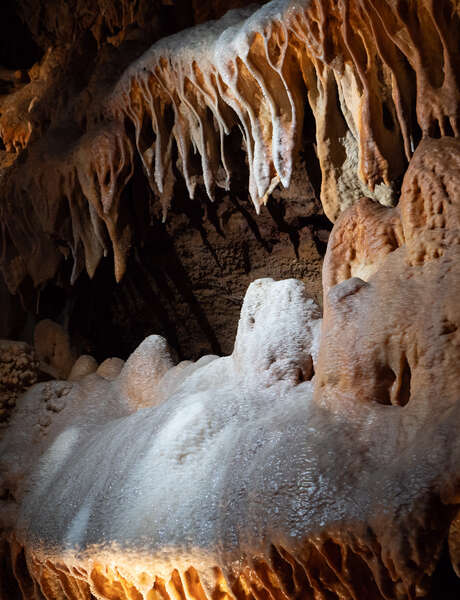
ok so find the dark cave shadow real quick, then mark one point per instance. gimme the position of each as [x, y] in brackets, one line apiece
[167, 267]
[153, 299]
[314, 223]
[176, 272]
[445, 583]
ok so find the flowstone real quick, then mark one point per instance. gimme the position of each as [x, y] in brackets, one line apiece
[322, 456]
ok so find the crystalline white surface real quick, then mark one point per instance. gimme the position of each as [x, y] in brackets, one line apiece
[227, 457]
[178, 473]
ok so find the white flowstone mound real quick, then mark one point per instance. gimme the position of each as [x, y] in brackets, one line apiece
[234, 465]
[201, 408]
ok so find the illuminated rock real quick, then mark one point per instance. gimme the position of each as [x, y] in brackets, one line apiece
[319, 459]
[298, 464]
[375, 76]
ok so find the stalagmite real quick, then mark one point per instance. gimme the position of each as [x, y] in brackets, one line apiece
[53, 349]
[84, 365]
[317, 457]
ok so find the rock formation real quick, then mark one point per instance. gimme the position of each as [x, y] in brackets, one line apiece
[361, 64]
[18, 371]
[321, 458]
[53, 349]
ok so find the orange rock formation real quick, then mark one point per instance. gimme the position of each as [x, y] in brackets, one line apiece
[377, 77]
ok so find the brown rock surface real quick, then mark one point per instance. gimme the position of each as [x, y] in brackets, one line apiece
[198, 271]
[399, 318]
[19, 370]
[53, 349]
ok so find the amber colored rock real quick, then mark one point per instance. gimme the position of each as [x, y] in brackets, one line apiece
[360, 241]
[84, 365]
[377, 77]
[53, 348]
[110, 368]
[432, 226]
[376, 266]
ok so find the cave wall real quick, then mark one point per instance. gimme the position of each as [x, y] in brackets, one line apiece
[186, 277]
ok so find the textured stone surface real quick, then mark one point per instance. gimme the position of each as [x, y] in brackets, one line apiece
[110, 368]
[84, 365]
[373, 90]
[187, 278]
[320, 458]
[189, 284]
[53, 348]
[317, 460]
[19, 370]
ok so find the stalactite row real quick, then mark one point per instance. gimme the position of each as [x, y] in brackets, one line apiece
[211, 79]
[76, 199]
[392, 67]
[325, 568]
[365, 67]
[378, 77]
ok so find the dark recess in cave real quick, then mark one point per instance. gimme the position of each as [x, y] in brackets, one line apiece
[445, 583]
[18, 49]
[181, 273]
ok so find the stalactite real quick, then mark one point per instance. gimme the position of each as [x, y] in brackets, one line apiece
[375, 77]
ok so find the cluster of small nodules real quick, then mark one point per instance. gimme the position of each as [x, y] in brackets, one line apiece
[19, 370]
